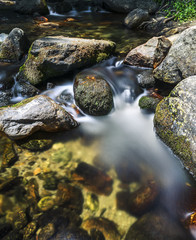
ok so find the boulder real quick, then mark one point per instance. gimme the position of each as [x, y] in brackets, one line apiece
[54, 56]
[145, 55]
[14, 46]
[180, 61]
[146, 79]
[34, 114]
[136, 17]
[25, 89]
[93, 94]
[31, 7]
[125, 6]
[175, 121]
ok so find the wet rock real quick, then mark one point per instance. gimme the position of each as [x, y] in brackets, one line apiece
[179, 63]
[144, 55]
[30, 7]
[5, 98]
[14, 46]
[9, 183]
[65, 97]
[49, 25]
[13, 235]
[146, 79]
[125, 6]
[39, 113]
[92, 202]
[5, 205]
[46, 232]
[128, 171]
[105, 226]
[55, 56]
[175, 121]
[33, 192]
[29, 230]
[71, 234]
[136, 17]
[70, 197]
[9, 156]
[5, 229]
[46, 203]
[139, 201]
[93, 179]
[25, 89]
[50, 181]
[93, 94]
[96, 235]
[58, 217]
[148, 103]
[35, 145]
[18, 218]
[156, 226]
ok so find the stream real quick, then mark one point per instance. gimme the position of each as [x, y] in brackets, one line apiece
[122, 147]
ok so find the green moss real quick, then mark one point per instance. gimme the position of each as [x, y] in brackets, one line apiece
[101, 57]
[148, 103]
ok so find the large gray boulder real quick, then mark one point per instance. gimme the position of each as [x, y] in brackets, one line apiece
[181, 59]
[54, 56]
[14, 46]
[31, 6]
[39, 113]
[126, 6]
[92, 93]
[175, 122]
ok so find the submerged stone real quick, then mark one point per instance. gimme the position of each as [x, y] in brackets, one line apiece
[93, 94]
[140, 201]
[70, 197]
[46, 203]
[93, 179]
[55, 56]
[9, 156]
[156, 226]
[105, 226]
[39, 113]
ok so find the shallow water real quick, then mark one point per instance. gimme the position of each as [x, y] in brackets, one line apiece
[123, 145]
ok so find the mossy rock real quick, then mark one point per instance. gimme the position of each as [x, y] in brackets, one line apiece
[35, 145]
[93, 94]
[55, 56]
[9, 156]
[175, 121]
[148, 103]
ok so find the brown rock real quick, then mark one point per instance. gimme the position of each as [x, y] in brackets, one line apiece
[139, 201]
[93, 179]
[105, 226]
[144, 55]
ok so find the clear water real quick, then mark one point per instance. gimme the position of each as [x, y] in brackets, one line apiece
[126, 134]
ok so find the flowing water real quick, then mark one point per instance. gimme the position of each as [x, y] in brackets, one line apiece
[123, 144]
